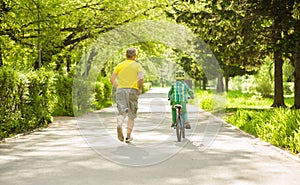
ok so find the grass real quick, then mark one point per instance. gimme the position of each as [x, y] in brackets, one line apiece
[253, 114]
[237, 99]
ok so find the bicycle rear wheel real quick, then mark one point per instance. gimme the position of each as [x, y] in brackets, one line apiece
[178, 129]
[182, 128]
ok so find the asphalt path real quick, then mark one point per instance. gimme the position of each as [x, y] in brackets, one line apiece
[85, 150]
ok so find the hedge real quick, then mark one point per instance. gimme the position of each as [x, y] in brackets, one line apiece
[28, 100]
[24, 100]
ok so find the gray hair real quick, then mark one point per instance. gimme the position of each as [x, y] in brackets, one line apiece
[130, 52]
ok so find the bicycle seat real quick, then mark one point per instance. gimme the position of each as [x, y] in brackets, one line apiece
[177, 106]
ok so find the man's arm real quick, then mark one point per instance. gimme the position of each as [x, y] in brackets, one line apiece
[140, 85]
[140, 82]
[113, 80]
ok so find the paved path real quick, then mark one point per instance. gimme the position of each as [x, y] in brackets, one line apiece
[85, 150]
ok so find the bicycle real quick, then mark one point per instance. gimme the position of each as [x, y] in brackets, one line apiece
[179, 125]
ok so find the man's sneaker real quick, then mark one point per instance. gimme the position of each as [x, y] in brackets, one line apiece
[187, 125]
[127, 140]
[120, 133]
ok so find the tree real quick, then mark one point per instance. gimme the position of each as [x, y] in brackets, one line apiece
[295, 44]
[219, 24]
[58, 28]
[245, 32]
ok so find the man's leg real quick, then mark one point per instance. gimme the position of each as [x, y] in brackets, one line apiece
[121, 105]
[120, 120]
[130, 125]
[133, 106]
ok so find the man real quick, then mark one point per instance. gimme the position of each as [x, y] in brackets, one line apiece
[128, 79]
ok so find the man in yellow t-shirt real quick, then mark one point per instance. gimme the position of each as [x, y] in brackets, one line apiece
[128, 79]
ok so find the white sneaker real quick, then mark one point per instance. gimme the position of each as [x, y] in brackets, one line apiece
[127, 140]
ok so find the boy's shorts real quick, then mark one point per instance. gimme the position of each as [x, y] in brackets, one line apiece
[127, 98]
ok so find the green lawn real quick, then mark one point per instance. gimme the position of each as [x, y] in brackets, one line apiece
[238, 100]
[253, 114]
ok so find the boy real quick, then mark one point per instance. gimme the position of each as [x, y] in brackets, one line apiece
[179, 94]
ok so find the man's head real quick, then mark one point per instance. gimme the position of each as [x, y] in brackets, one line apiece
[131, 53]
[179, 75]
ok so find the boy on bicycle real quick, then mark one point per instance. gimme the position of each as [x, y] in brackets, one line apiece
[179, 93]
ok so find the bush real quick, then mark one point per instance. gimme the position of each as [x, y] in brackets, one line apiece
[245, 120]
[26, 101]
[211, 101]
[63, 95]
[277, 126]
[39, 98]
[11, 97]
[103, 92]
[288, 88]
[146, 86]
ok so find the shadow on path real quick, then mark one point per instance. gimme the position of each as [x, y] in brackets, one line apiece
[67, 153]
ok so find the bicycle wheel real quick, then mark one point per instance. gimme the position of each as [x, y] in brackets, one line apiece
[182, 127]
[178, 129]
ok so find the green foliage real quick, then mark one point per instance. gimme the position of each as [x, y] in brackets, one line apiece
[277, 126]
[209, 101]
[40, 99]
[63, 95]
[238, 99]
[10, 100]
[262, 82]
[54, 28]
[264, 79]
[103, 93]
[26, 101]
[245, 120]
[252, 113]
[83, 96]
[206, 100]
[147, 86]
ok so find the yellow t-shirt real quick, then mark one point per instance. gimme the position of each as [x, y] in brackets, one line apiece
[128, 74]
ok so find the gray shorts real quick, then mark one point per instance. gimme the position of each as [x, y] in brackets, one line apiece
[127, 99]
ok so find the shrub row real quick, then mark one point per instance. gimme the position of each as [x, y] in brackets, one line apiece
[24, 101]
[29, 100]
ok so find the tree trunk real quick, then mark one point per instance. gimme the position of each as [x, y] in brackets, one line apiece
[278, 76]
[204, 83]
[296, 59]
[220, 86]
[297, 80]
[226, 83]
[278, 86]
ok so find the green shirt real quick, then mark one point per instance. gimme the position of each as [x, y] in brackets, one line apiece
[180, 92]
